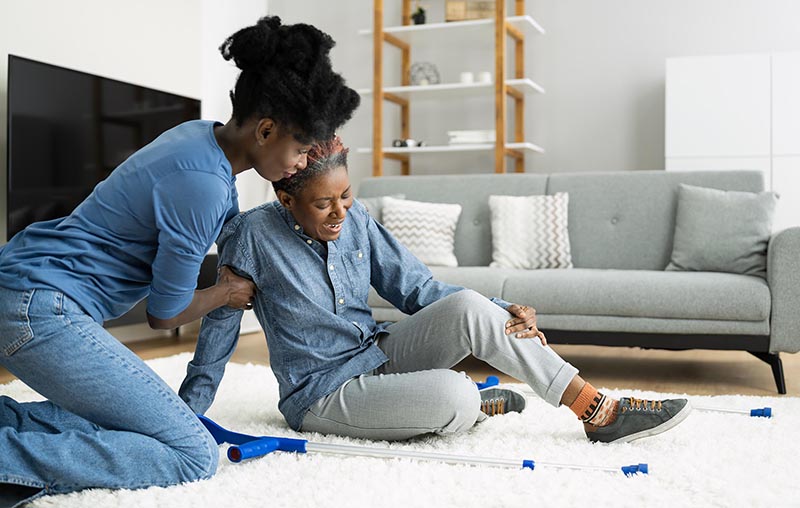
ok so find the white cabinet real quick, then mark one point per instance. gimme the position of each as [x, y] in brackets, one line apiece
[785, 104]
[786, 182]
[718, 107]
[737, 112]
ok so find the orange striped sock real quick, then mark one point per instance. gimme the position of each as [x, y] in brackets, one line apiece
[594, 408]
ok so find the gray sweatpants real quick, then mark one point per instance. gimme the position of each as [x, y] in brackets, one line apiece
[415, 393]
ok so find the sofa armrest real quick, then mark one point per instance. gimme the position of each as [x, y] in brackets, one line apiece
[783, 277]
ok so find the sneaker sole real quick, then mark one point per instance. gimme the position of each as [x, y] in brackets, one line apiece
[667, 425]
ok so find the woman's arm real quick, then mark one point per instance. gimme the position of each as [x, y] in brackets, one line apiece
[188, 214]
[230, 290]
[398, 276]
[216, 343]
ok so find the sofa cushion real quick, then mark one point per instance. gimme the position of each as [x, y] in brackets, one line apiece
[722, 231]
[530, 231]
[641, 293]
[426, 229]
[626, 220]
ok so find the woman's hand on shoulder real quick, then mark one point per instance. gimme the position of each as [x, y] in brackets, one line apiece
[241, 291]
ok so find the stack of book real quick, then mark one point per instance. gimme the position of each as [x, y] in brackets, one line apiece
[471, 137]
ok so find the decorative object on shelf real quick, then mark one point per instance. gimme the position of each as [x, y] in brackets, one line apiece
[460, 10]
[419, 15]
[407, 143]
[506, 81]
[424, 73]
[471, 137]
[466, 77]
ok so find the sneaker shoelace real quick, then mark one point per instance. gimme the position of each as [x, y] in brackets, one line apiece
[494, 407]
[643, 405]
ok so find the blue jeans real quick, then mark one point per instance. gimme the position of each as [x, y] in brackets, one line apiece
[109, 421]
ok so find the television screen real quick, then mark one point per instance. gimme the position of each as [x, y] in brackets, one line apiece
[67, 130]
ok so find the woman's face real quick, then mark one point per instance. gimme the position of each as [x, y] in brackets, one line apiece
[321, 207]
[277, 153]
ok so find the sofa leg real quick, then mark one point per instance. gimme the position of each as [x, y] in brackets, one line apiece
[774, 361]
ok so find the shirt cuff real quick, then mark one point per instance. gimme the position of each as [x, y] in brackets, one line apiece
[167, 307]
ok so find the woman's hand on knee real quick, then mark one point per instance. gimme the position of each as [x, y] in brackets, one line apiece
[524, 323]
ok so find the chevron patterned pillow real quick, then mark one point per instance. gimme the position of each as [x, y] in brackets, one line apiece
[530, 232]
[374, 205]
[428, 230]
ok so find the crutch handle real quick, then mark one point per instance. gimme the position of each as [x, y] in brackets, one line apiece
[490, 381]
[265, 445]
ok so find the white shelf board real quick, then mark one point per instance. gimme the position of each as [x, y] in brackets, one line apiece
[459, 89]
[416, 33]
[477, 147]
[525, 85]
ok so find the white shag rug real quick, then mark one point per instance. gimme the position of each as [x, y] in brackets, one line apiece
[711, 459]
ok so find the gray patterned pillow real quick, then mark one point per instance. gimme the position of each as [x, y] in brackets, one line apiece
[530, 232]
[428, 230]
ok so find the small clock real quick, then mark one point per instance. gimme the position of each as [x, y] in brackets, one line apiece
[424, 73]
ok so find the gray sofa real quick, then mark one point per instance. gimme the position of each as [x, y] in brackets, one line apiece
[621, 226]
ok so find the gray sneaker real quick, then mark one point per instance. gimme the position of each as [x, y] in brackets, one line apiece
[638, 418]
[498, 401]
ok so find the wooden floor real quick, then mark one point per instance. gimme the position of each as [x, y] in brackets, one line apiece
[695, 372]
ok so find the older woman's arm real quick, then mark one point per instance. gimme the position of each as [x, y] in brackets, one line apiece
[401, 278]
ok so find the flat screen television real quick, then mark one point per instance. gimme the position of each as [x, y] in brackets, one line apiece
[67, 130]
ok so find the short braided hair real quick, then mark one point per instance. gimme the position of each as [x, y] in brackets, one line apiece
[322, 158]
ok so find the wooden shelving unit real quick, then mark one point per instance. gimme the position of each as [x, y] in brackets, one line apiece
[517, 87]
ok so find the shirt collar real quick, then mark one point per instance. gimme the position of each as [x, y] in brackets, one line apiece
[289, 218]
[298, 230]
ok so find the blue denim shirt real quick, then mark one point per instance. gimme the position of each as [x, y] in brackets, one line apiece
[311, 303]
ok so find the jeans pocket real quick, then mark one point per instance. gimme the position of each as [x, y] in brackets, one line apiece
[18, 330]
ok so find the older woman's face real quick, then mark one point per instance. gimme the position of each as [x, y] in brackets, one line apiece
[321, 207]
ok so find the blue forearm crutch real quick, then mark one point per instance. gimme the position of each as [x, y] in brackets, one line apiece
[247, 447]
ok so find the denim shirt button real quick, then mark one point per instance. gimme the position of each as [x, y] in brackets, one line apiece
[331, 267]
[341, 301]
[297, 227]
[309, 242]
[360, 255]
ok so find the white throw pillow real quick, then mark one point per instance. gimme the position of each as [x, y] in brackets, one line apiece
[428, 230]
[374, 205]
[530, 232]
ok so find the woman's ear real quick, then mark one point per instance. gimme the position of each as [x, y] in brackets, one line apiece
[285, 199]
[264, 128]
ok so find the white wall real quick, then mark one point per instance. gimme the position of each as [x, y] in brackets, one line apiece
[602, 64]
